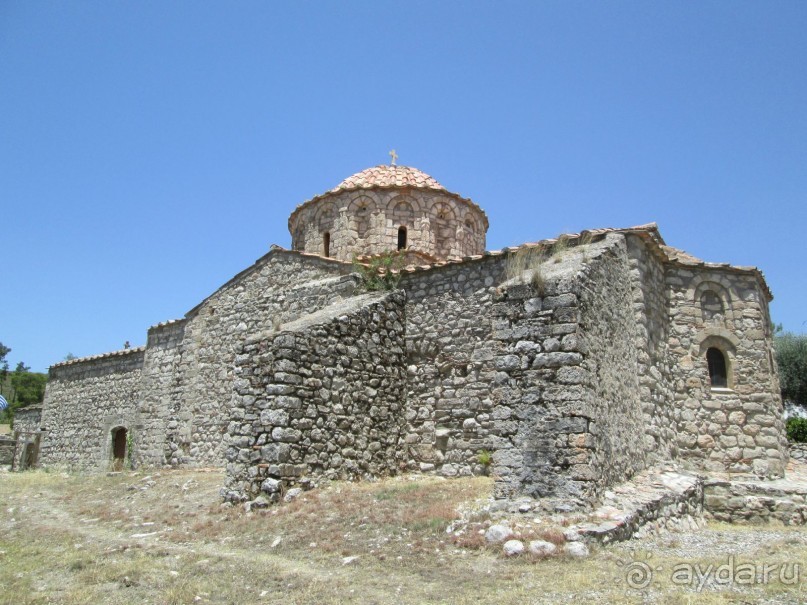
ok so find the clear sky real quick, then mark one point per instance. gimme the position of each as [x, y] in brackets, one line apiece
[149, 151]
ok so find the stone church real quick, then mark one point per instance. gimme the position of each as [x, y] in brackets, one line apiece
[560, 367]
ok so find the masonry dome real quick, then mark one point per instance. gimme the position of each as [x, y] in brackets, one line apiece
[386, 208]
[389, 176]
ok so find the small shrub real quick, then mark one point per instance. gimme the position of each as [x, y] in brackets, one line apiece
[797, 430]
[485, 458]
[382, 272]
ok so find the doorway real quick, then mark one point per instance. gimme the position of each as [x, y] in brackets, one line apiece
[119, 445]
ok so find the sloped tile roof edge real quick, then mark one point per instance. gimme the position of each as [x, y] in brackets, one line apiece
[274, 250]
[119, 353]
[165, 324]
[649, 232]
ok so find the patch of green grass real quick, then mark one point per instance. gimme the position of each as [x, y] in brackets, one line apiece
[393, 491]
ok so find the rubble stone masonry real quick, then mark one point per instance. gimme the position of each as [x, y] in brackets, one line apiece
[560, 377]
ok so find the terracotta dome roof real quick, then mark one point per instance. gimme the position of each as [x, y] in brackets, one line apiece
[389, 176]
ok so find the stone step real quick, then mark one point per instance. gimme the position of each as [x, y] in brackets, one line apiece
[754, 501]
[652, 502]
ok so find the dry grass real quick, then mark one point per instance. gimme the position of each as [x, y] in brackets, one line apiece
[165, 538]
[560, 246]
[525, 265]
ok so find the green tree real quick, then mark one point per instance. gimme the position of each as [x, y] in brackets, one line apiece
[4, 350]
[29, 387]
[791, 357]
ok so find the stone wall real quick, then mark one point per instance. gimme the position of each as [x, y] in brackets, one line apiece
[451, 415]
[27, 422]
[654, 362]
[607, 336]
[798, 451]
[6, 450]
[161, 427]
[85, 400]
[738, 428]
[28, 419]
[756, 502]
[189, 364]
[567, 379]
[575, 372]
[322, 397]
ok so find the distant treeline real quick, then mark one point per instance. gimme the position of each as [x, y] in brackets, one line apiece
[19, 387]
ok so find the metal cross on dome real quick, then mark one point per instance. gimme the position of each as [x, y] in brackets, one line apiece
[394, 157]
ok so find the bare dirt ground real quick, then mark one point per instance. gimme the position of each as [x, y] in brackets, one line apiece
[164, 537]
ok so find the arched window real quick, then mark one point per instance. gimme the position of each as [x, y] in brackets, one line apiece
[401, 238]
[718, 368]
[326, 243]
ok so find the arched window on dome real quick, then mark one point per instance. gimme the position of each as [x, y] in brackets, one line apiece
[326, 244]
[718, 368]
[401, 238]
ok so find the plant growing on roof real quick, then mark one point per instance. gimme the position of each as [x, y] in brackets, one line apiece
[381, 272]
[525, 265]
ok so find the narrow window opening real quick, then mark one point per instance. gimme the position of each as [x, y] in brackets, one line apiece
[401, 238]
[326, 243]
[717, 368]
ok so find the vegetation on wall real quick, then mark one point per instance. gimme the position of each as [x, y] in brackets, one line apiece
[381, 272]
[526, 265]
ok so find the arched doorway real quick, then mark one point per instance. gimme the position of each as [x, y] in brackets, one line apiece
[119, 445]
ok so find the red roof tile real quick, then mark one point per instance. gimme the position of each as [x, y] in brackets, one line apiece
[389, 176]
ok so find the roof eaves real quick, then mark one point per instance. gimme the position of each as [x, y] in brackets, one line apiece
[119, 353]
[274, 250]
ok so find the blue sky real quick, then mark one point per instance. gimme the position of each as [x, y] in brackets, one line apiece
[149, 151]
